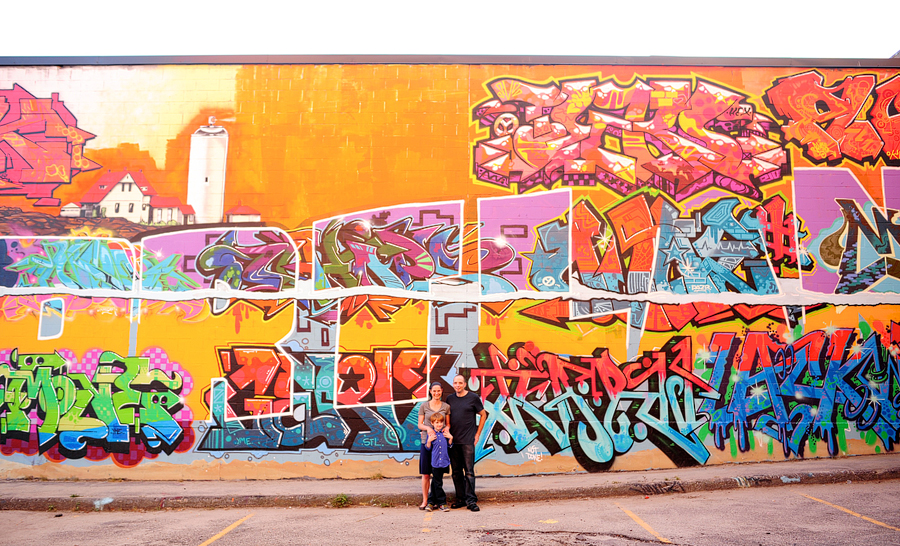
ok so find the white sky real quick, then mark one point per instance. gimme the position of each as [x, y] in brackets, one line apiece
[763, 28]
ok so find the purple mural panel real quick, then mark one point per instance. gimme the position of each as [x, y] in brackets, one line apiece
[524, 242]
[254, 260]
[402, 247]
[815, 191]
[891, 178]
[66, 262]
[853, 243]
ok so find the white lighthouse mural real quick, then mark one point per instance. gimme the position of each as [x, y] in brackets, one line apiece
[206, 172]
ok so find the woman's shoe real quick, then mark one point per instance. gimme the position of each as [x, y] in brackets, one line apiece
[423, 506]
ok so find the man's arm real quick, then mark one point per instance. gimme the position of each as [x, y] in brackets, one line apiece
[482, 418]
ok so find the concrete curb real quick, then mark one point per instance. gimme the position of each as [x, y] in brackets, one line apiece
[690, 486]
[412, 498]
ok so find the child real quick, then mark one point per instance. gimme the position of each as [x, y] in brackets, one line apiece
[440, 461]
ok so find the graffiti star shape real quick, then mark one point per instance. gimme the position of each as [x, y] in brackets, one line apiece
[704, 355]
[350, 380]
[675, 251]
[687, 269]
[758, 392]
[894, 350]
[604, 240]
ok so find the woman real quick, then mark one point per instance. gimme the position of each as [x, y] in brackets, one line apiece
[426, 410]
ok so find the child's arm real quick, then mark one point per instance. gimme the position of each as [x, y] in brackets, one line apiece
[428, 443]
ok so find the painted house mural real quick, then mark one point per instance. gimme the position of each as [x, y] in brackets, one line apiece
[259, 270]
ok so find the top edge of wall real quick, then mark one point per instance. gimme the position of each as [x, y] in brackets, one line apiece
[447, 59]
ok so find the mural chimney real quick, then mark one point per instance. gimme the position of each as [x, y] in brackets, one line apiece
[206, 172]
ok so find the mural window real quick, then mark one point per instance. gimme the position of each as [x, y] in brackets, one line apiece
[130, 207]
[52, 319]
[117, 207]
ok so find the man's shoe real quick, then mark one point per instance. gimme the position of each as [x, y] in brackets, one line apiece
[429, 508]
[474, 508]
[457, 504]
[444, 508]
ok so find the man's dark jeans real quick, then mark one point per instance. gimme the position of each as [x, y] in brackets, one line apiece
[462, 463]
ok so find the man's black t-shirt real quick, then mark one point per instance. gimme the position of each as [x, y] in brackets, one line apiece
[463, 410]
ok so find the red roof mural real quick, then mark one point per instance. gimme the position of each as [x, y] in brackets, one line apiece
[160, 202]
[109, 180]
[242, 209]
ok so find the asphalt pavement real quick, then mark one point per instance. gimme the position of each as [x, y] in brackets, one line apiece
[83, 495]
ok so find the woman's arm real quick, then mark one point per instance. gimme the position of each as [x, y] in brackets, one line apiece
[422, 426]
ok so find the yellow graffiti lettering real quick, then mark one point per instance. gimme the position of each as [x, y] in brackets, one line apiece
[78, 161]
[74, 136]
[56, 170]
[14, 139]
[71, 133]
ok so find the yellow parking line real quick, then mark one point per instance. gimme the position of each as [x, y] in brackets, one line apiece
[851, 512]
[646, 527]
[226, 530]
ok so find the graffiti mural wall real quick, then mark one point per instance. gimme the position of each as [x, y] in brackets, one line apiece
[255, 271]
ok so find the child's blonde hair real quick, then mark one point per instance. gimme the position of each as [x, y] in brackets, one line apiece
[437, 417]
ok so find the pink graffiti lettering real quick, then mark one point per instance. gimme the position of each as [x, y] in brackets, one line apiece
[680, 136]
[40, 146]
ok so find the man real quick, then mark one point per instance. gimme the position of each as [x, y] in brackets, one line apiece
[464, 406]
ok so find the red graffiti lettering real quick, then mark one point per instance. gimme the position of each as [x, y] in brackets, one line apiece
[885, 116]
[830, 122]
[258, 381]
[385, 376]
[531, 372]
